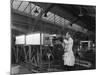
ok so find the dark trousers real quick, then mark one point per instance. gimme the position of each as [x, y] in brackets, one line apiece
[68, 68]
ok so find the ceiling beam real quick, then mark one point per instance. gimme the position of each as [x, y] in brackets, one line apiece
[20, 29]
[33, 17]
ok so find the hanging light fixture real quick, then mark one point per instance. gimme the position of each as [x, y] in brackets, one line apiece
[36, 11]
[80, 14]
[45, 15]
[71, 24]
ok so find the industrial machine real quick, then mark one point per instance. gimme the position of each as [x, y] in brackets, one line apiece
[86, 54]
[37, 48]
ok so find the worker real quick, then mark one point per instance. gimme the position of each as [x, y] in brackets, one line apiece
[68, 57]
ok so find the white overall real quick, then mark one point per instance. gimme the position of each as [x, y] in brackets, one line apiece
[68, 56]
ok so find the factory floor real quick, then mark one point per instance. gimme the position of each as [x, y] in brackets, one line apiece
[19, 69]
[28, 68]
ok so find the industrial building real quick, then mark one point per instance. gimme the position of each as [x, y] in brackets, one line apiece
[37, 33]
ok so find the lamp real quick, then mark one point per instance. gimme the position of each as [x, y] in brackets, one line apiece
[36, 11]
[71, 24]
[45, 15]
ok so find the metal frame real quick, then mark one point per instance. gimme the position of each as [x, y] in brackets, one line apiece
[12, 2]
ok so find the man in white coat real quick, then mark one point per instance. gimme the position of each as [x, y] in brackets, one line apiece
[68, 57]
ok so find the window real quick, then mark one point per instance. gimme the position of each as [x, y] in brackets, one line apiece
[16, 4]
[23, 6]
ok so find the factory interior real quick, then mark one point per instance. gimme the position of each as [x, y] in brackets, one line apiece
[37, 30]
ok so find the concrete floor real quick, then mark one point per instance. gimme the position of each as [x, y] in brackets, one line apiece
[27, 68]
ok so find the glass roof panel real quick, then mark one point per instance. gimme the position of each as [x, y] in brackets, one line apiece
[67, 22]
[76, 26]
[23, 6]
[49, 13]
[16, 4]
[62, 20]
[27, 9]
[58, 22]
[57, 18]
[32, 5]
[51, 16]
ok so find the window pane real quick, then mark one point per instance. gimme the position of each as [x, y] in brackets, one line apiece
[16, 3]
[57, 18]
[62, 21]
[23, 6]
[67, 22]
[27, 9]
